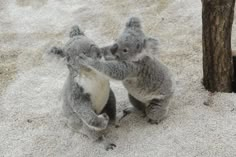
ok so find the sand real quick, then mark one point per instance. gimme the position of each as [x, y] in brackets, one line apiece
[31, 124]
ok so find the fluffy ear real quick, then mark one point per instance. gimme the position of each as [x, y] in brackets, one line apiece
[75, 31]
[151, 45]
[133, 22]
[114, 48]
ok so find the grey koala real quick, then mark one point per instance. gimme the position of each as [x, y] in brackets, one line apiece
[149, 83]
[88, 100]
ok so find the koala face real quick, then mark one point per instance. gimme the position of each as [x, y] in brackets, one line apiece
[84, 45]
[132, 42]
[81, 44]
[127, 47]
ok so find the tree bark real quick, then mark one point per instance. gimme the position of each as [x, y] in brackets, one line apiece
[217, 20]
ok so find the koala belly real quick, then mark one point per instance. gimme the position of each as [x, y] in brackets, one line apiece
[98, 88]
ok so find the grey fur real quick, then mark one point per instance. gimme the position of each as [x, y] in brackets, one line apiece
[147, 80]
[79, 104]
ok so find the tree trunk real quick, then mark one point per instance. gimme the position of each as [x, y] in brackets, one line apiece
[217, 20]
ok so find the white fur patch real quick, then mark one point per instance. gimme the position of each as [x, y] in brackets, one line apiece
[97, 86]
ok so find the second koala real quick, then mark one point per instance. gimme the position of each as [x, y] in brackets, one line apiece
[88, 98]
[148, 81]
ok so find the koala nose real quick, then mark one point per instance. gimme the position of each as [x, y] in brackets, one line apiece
[114, 48]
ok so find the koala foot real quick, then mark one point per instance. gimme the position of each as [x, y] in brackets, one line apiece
[107, 145]
[157, 120]
[157, 111]
[110, 146]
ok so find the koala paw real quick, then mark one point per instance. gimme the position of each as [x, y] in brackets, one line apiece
[106, 143]
[57, 51]
[100, 123]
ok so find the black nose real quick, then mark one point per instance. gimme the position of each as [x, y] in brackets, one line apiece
[114, 48]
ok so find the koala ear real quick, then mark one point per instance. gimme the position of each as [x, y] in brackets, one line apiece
[151, 45]
[133, 22]
[114, 48]
[75, 31]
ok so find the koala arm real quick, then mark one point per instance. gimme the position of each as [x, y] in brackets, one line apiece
[82, 105]
[89, 117]
[117, 70]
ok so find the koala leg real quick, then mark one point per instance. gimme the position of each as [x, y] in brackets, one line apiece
[73, 120]
[110, 108]
[157, 110]
[136, 103]
[81, 104]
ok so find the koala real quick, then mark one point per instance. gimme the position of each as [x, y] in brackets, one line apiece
[149, 82]
[88, 100]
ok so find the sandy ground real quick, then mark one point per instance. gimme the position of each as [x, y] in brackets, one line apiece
[31, 123]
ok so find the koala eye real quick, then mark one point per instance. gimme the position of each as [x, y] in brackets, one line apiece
[125, 50]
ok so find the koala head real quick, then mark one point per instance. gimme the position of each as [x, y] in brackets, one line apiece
[132, 41]
[81, 44]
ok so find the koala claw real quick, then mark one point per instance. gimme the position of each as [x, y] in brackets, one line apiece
[110, 146]
[153, 121]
